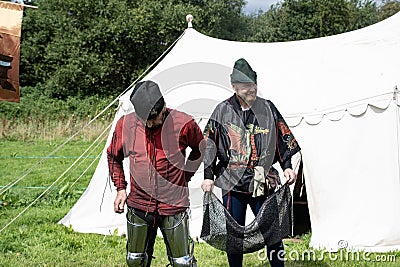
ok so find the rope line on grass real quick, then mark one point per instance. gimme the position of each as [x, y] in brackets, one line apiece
[29, 170]
[50, 187]
[32, 187]
[99, 139]
[83, 173]
[43, 157]
[102, 137]
[79, 157]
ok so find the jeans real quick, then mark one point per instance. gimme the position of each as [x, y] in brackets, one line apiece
[237, 208]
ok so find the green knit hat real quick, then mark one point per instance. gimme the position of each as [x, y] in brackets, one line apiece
[243, 73]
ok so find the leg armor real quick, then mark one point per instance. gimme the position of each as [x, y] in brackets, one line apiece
[136, 255]
[180, 247]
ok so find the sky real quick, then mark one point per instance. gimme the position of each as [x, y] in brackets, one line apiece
[254, 5]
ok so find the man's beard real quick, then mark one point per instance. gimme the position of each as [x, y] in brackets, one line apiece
[154, 127]
[249, 99]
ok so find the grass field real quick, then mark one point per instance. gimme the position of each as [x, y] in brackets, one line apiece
[45, 192]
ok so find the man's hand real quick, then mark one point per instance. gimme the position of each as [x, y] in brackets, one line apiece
[207, 185]
[119, 201]
[290, 176]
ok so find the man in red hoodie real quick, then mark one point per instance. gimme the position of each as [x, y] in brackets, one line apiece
[155, 138]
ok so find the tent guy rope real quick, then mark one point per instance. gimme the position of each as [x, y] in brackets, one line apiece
[50, 187]
[98, 141]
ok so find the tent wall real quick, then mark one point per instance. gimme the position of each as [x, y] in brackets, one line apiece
[352, 169]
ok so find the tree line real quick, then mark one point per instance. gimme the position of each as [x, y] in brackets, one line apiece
[98, 48]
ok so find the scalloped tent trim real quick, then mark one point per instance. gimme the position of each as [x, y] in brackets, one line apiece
[355, 109]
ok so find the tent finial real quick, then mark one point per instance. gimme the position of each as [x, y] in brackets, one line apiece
[189, 19]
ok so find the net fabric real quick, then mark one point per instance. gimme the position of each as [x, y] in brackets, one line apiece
[273, 222]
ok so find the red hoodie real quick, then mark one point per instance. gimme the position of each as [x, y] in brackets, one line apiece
[159, 172]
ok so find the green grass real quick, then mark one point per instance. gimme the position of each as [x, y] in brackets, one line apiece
[35, 238]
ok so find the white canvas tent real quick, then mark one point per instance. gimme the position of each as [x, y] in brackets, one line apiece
[339, 96]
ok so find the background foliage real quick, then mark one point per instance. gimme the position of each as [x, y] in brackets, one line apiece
[98, 48]
[292, 20]
[85, 48]
[39, 117]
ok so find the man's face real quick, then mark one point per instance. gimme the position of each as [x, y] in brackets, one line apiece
[246, 91]
[157, 121]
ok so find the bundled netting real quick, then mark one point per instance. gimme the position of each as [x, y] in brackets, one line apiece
[273, 222]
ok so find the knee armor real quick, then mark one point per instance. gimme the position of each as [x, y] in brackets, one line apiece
[136, 255]
[136, 259]
[180, 246]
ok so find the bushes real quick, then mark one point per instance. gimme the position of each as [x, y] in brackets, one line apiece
[35, 104]
[87, 48]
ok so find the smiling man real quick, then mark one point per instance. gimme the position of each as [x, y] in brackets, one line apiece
[245, 135]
